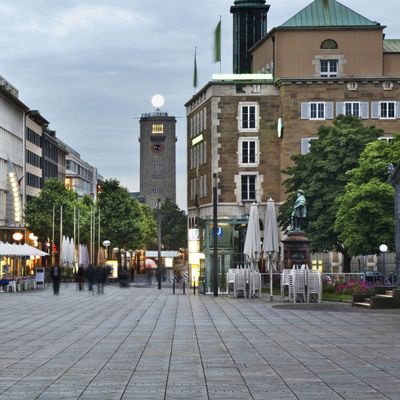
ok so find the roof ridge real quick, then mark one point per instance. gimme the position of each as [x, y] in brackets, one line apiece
[327, 13]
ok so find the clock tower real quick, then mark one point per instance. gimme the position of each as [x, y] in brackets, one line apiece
[157, 157]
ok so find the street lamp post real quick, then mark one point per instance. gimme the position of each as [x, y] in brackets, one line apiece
[106, 243]
[159, 244]
[383, 249]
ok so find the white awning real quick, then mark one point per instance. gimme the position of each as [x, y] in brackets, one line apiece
[22, 250]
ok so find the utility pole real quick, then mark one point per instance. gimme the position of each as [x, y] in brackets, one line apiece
[215, 235]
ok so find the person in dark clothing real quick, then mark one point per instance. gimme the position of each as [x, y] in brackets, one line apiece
[81, 277]
[101, 277]
[55, 274]
[90, 276]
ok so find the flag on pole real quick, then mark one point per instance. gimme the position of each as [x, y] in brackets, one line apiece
[217, 43]
[195, 70]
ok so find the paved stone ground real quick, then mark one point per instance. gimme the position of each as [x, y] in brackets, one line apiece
[142, 343]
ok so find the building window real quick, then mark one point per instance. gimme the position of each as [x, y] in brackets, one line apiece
[329, 44]
[306, 144]
[248, 187]
[33, 137]
[387, 109]
[248, 151]
[157, 129]
[317, 110]
[352, 108]
[329, 68]
[248, 120]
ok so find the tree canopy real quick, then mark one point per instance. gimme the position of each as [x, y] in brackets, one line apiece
[124, 221]
[39, 211]
[365, 217]
[322, 174]
[173, 226]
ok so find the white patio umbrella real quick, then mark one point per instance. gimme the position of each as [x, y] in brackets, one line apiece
[64, 251]
[252, 243]
[271, 241]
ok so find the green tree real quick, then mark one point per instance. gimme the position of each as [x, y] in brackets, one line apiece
[39, 211]
[123, 220]
[173, 226]
[365, 217]
[322, 174]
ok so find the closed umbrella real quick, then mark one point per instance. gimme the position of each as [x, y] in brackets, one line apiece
[252, 243]
[101, 257]
[271, 241]
[64, 251]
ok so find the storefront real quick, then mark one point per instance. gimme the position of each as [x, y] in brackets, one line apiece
[231, 236]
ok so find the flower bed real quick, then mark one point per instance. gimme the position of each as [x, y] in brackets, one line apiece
[339, 286]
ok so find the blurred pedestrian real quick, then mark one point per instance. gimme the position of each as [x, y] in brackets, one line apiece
[81, 277]
[90, 276]
[101, 277]
[55, 274]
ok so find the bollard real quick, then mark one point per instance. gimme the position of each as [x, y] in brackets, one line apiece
[173, 286]
[183, 287]
[194, 286]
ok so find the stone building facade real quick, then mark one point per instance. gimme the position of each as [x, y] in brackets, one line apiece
[324, 61]
[157, 158]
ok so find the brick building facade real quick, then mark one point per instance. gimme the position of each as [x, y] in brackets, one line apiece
[324, 61]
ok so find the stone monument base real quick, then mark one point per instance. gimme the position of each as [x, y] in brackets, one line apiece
[296, 250]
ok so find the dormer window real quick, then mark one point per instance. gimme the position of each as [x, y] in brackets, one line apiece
[329, 68]
[329, 44]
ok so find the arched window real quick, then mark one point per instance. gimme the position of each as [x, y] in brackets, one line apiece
[329, 44]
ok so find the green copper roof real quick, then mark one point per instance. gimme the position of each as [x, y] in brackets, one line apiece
[391, 46]
[327, 13]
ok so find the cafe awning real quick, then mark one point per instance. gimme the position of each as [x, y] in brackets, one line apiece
[19, 250]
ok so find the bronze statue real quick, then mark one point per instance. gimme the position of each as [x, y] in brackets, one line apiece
[299, 212]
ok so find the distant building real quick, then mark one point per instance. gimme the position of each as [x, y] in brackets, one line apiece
[12, 160]
[80, 176]
[35, 127]
[54, 152]
[138, 196]
[157, 157]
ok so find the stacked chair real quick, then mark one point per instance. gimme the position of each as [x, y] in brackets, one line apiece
[301, 285]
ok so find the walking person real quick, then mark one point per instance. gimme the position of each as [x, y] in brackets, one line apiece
[90, 276]
[101, 276]
[81, 277]
[55, 274]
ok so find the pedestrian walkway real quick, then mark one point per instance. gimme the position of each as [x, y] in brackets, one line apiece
[145, 343]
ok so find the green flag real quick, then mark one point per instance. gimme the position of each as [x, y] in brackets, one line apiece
[195, 71]
[217, 43]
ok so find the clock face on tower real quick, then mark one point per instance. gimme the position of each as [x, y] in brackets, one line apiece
[157, 147]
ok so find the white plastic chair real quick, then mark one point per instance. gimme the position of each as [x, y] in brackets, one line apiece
[12, 286]
[285, 284]
[300, 285]
[240, 283]
[314, 285]
[230, 278]
[255, 284]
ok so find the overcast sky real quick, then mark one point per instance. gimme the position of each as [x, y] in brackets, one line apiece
[91, 66]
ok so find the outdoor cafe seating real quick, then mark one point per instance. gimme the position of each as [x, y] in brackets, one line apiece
[300, 284]
[244, 281]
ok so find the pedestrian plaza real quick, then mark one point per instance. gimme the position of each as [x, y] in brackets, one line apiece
[143, 343]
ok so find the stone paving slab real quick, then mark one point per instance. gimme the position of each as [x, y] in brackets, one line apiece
[143, 343]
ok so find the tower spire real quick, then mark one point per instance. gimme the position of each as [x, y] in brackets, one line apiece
[249, 26]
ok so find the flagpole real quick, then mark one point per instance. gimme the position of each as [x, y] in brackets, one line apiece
[220, 51]
[195, 70]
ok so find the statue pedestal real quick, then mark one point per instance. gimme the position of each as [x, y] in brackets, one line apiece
[296, 250]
